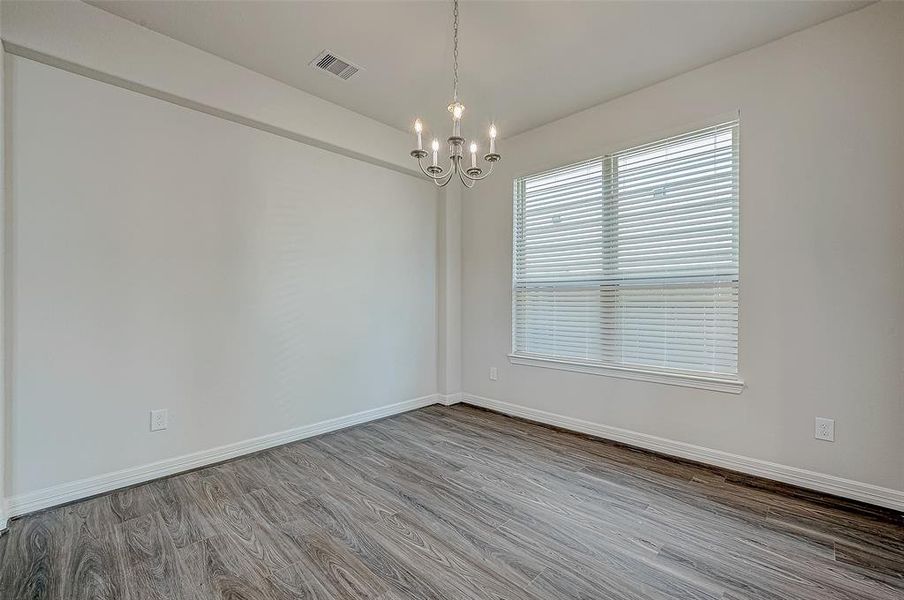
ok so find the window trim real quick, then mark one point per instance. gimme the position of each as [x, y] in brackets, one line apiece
[727, 383]
[716, 383]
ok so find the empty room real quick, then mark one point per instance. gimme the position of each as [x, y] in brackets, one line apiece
[452, 300]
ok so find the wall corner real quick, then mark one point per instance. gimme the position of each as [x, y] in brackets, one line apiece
[4, 321]
[449, 295]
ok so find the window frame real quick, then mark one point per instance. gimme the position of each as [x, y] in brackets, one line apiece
[729, 383]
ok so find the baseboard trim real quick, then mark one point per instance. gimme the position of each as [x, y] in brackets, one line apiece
[85, 488]
[821, 482]
[450, 399]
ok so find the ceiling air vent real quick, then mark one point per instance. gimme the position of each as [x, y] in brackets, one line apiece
[335, 66]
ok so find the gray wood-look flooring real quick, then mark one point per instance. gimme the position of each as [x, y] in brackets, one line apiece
[454, 503]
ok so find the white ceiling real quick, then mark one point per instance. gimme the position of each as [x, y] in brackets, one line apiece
[522, 63]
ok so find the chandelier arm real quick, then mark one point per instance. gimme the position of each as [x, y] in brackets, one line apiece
[480, 177]
[464, 179]
[448, 177]
[425, 172]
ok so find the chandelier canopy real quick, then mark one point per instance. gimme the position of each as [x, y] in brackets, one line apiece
[439, 175]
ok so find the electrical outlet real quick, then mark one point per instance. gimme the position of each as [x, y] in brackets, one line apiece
[494, 374]
[158, 419]
[825, 429]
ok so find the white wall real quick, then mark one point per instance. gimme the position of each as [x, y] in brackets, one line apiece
[822, 241]
[162, 257]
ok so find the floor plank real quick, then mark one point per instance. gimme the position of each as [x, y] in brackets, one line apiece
[150, 558]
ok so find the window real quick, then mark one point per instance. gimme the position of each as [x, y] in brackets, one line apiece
[630, 261]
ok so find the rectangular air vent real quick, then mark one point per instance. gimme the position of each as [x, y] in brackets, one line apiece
[328, 62]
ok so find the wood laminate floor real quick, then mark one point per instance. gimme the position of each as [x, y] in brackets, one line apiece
[453, 503]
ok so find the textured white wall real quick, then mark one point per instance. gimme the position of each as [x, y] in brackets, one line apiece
[822, 241]
[162, 257]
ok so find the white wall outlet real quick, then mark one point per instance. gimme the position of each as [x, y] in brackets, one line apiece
[825, 429]
[158, 419]
[494, 374]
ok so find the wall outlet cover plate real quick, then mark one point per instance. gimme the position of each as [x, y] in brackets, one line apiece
[825, 429]
[158, 419]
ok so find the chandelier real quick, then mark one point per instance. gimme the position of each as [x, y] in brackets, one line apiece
[439, 175]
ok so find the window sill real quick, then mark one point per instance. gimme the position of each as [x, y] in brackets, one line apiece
[717, 383]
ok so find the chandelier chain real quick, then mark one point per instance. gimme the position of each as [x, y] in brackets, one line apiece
[455, 51]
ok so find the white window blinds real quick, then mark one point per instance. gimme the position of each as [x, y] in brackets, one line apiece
[632, 259]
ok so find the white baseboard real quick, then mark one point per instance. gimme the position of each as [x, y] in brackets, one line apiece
[83, 488]
[821, 482]
[450, 399]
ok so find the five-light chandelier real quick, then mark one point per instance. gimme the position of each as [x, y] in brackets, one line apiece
[474, 173]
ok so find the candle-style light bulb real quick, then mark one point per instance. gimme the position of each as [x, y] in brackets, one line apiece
[457, 109]
[435, 150]
[473, 155]
[492, 139]
[419, 127]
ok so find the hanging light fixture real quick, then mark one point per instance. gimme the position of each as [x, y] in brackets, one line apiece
[468, 176]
